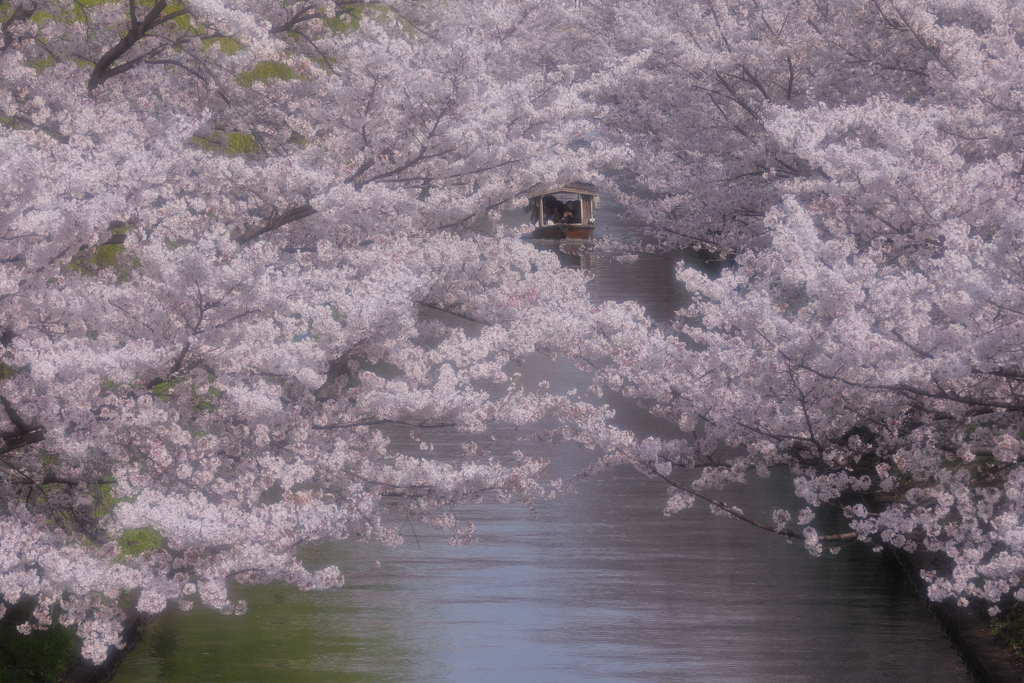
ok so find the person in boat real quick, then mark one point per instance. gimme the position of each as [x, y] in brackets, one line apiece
[573, 209]
[553, 210]
[533, 208]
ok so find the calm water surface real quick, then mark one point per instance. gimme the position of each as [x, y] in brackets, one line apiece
[598, 586]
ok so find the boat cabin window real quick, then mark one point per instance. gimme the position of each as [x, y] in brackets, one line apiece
[562, 207]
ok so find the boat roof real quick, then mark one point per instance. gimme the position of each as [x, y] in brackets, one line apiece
[589, 191]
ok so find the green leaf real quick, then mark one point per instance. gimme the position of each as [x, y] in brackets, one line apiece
[134, 542]
[106, 255]
[231, 144]
[163, 390]
[240, 143]
[41, 65]
[264, 71]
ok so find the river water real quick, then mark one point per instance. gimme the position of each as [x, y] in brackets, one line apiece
[596, 586]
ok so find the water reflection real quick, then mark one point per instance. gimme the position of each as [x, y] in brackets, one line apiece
[600, 586]
[286, 636]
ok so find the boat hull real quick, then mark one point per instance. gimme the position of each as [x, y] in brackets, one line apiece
[562, 232]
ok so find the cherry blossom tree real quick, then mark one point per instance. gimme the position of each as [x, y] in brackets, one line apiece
[244, 242]
[239, 243]
[705, 168]
[861, 165]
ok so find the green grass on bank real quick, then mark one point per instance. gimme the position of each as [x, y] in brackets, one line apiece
[1007, 629]
[39, 657]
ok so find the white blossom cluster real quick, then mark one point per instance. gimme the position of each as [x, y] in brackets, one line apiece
[239, 240]
[859, 166]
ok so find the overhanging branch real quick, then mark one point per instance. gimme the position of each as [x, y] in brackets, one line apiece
[277, 221]
[24, 434]
[738, 514]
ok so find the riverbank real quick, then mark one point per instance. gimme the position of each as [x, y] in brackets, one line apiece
[966, 627]
[86, 671]
[40, 656]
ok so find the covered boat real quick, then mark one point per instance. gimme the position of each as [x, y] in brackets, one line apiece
[565, 212]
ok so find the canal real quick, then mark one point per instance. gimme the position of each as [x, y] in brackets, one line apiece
[596, 586]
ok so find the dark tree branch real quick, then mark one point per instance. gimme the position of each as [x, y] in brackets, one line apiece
[21, 13]
[304, 14]
[132, 63]
[179, 362]
[792, 77]
[137, 31]
[25, 433]
[451, 312]
[19, 422]
[277, 221]
[738, 514]
[371, 423]
[737, 98]
[938, 394]
[173, 62]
